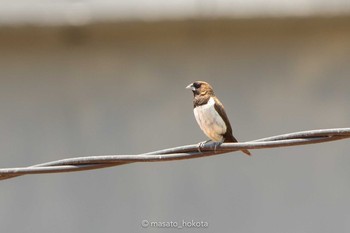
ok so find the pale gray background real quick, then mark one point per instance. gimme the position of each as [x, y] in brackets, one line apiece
[119, 87]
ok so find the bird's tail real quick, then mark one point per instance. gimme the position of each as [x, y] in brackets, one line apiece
[233, 139]
[247, 152]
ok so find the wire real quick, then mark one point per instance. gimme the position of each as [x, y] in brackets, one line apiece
[177, 153]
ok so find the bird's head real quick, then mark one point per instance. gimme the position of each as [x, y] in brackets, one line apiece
[201, 88]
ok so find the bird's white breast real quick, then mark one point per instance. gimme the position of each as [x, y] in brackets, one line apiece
[210, 121]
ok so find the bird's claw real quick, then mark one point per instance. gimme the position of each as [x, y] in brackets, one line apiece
[202, 144]
[216, 144]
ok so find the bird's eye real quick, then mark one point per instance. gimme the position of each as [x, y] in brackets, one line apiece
[197, 85]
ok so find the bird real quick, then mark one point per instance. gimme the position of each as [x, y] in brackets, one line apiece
[210, 115]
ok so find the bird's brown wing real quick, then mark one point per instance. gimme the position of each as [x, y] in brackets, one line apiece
[220, 109]
[228, 136]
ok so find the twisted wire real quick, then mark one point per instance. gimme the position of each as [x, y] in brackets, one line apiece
[177, 153]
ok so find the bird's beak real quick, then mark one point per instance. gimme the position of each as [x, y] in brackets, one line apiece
[191, 87]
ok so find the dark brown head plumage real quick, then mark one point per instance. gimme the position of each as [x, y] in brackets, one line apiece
[202, 91]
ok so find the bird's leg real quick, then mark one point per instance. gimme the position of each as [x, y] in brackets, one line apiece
[201, 145]
[216, 144]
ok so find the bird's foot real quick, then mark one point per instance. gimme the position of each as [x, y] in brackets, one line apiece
[201, 145]
[216, 144]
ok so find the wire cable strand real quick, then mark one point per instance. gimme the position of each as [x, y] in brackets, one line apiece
[177, 153]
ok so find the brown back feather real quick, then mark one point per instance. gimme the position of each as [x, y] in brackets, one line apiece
[228, 136]
[219, 107]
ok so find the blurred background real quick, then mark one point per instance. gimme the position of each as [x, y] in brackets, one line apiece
[104, 77]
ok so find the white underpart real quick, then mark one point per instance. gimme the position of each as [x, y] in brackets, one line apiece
[210, 121]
